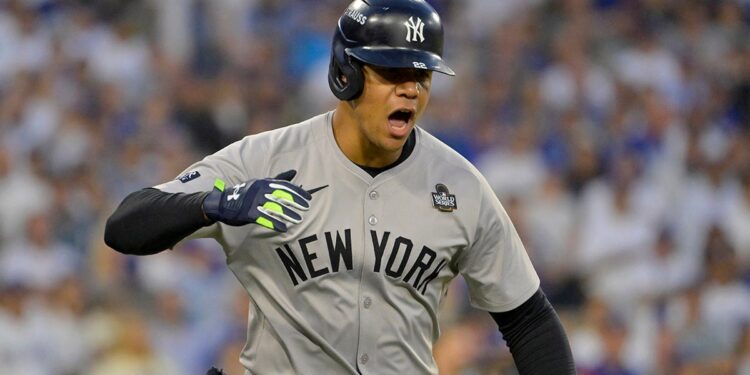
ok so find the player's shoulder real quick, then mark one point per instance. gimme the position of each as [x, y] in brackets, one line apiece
[439, 164]
[292, 137]
[445, 158]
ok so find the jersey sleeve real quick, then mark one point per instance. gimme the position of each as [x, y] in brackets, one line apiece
[227, 164]
[230, 164]
[496, 267]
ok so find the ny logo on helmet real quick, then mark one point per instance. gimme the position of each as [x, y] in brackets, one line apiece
[414, 30]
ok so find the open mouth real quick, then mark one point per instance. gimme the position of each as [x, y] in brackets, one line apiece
[401, 115]
[398, 122]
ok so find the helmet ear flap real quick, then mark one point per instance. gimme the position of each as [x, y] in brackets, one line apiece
[342, 65]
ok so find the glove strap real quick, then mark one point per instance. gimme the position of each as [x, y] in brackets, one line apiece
[213, 199]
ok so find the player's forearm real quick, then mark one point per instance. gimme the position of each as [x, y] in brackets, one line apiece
[536, 338]
[149, 221]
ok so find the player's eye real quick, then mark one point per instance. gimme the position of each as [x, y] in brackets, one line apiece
[396, 76]
[391, 75]
[423, 76]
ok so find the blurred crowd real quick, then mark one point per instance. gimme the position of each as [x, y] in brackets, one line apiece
[615, 132]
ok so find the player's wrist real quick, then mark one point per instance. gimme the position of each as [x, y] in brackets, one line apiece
[210, 206]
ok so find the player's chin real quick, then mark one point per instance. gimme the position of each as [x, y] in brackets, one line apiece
[394, 144]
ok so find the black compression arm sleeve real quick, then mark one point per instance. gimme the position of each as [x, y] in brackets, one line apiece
[536, 338]
[149, 221]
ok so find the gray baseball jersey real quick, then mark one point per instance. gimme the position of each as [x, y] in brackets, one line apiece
[355, 287]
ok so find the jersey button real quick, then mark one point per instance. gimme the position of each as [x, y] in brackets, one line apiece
[373, 195]
[368, 302]
[372, 220]
[364, 358]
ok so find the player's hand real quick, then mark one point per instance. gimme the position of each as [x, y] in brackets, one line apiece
[269, 202]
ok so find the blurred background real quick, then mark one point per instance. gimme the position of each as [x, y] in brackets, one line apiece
[615, 132]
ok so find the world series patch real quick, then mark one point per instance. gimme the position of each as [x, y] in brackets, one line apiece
[443, 200]
[192, 175]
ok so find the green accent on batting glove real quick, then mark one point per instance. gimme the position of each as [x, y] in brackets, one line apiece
[283, 195]
[219, 184]
[273, 206]
[264, 222]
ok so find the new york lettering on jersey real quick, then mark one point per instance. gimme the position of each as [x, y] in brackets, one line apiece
[393, 254]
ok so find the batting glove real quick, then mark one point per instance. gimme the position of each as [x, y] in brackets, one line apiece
[269, 202]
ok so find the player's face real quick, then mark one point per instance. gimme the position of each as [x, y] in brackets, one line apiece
[386, 112]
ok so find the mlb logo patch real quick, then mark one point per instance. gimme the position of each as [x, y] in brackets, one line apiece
[192, 175]
[443, 200]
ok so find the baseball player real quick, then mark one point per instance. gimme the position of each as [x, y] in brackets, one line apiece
[347, 228]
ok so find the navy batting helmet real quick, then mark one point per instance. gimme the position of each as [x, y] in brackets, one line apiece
[385, 33]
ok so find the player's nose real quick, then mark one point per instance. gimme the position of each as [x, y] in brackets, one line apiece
[408, 88]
